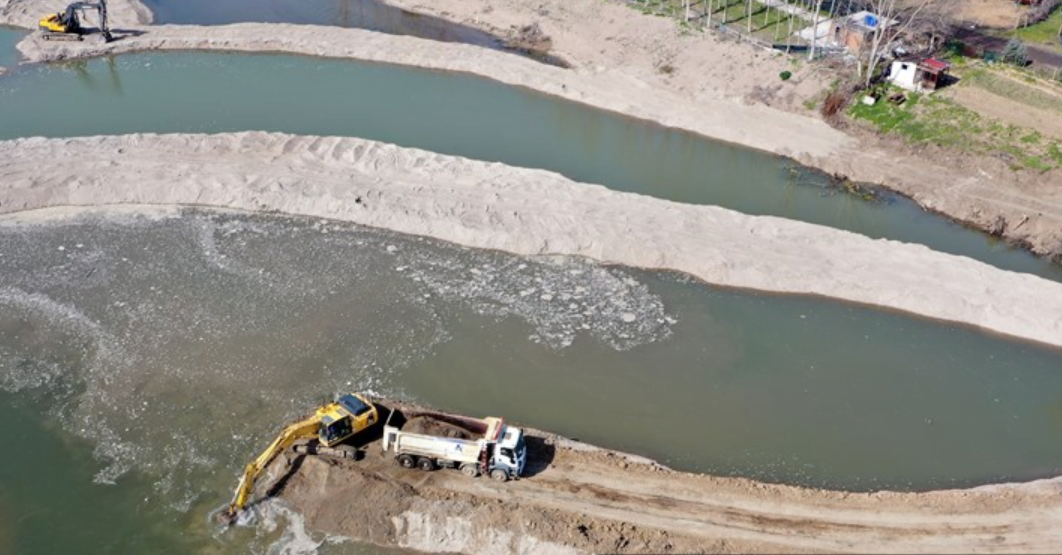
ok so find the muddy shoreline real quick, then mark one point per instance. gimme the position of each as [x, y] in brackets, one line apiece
[577, 498]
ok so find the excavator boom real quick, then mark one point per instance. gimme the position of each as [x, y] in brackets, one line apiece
[331, 424]
[305, 429]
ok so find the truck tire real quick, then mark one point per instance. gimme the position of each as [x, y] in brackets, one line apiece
[406, 461]
[499, 475]
[470, 470]
[426, 464]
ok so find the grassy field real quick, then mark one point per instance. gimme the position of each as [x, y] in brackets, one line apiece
[935, 120]
[1017, 85]
[1045, 32]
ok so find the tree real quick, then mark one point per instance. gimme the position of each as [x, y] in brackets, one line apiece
[889, 28]
[1015, 52]
[814, 30]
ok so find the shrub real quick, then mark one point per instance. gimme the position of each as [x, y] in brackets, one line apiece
[785, 75]
[1015, 52]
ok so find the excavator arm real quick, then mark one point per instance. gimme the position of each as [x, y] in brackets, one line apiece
[305, 429]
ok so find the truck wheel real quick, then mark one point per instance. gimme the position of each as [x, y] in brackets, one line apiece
[470, 470]
[499, 475]
[406, 461]
[426, 464]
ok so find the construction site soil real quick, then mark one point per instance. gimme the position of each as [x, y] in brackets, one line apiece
[575, 498]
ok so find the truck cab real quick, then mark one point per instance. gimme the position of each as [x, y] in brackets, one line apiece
[510, 453]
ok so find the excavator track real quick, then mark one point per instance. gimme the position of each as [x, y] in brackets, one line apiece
[341, 452]
[61, 36]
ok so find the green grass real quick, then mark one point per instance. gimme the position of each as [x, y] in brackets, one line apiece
[1018, 85]
[1045, 32]
[939, 121]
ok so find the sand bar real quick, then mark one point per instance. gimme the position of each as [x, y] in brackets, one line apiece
[490, 205]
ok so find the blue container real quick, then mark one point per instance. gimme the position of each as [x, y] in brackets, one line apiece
[870, 20]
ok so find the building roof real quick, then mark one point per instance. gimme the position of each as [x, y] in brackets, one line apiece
[935, 65]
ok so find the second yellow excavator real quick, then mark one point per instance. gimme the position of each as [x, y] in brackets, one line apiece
[330, 425]
[67, 25]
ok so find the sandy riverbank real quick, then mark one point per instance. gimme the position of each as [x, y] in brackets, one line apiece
[712, 88]
[714, 73]
[488, 205]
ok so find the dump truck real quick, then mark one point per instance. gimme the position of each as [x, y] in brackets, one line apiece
[499, 450]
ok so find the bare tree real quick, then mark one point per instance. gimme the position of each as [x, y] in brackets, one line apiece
[895, 19]
[814, 30]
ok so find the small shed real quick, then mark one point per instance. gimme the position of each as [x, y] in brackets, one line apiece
[854, 31]
[934, 73]
[927, 75]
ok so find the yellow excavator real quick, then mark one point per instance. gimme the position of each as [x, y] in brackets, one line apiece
[66, 25]
[330, 425]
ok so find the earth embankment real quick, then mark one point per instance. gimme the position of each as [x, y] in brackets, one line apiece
[576, 498]
[531, 212]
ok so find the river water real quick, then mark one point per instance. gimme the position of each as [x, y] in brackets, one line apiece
[144, 359]
[465, 116]
[363, 14]
[9, 37]
[157, 354]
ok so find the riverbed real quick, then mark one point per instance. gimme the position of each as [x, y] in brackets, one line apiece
[465, 116]
[146, 357]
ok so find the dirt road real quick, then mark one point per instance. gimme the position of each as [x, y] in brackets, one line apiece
[576, 498]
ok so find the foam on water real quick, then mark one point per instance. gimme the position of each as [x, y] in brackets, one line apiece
[274, 515]
[178, 346]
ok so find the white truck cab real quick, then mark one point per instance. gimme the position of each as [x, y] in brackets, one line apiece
[510, 452]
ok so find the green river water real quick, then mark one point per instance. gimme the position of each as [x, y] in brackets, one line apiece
[364, 14]
[8, 38]
[156, 355]
[142, 360]
[464, 116]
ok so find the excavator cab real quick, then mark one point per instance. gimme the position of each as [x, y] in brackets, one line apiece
[344, 418]
[60, 23]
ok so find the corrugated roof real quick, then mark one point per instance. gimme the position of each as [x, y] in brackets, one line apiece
[935, 64]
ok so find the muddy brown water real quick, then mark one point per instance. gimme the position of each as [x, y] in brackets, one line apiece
[144, 360]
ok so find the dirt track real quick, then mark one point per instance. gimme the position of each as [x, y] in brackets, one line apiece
[581, 499]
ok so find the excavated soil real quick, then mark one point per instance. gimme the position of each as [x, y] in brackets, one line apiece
[576, 498]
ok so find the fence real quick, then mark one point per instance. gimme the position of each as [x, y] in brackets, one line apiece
[698, 16]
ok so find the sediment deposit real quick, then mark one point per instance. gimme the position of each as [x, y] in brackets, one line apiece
[490, 205]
